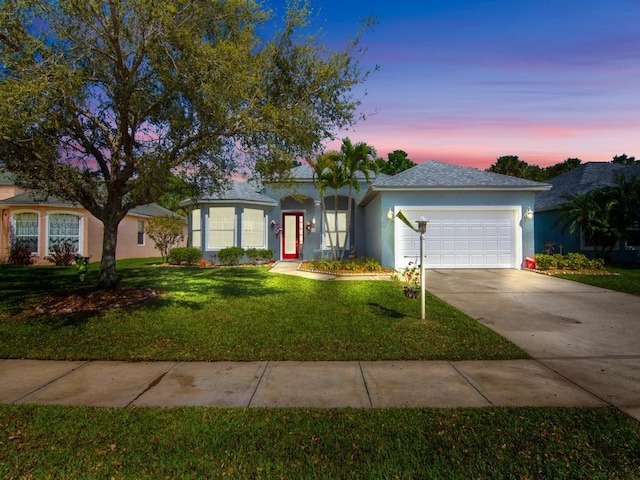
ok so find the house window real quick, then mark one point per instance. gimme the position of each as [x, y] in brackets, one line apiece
[25, 231]
[337, 235]
[196, 228]
[633, 235]
[221, 232]
[140, 232]
[253, 228]
[63, 228]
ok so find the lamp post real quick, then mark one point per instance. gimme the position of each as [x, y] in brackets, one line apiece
[422, 228]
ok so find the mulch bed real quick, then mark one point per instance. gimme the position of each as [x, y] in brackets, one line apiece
[74, 303]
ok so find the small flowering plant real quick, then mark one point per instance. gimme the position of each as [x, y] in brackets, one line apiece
[410, 276]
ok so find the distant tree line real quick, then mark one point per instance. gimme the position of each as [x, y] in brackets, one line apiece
[511, 165]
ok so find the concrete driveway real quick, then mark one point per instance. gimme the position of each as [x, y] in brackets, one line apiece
[589, 335]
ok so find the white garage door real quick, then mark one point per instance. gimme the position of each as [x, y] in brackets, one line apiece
[459, 238]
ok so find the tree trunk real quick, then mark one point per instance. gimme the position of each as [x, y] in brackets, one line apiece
[348, 222]
[335, 247]
[107, 276]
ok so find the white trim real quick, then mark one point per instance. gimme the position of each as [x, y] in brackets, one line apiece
[39, 215]
[80, 228]
[208, 247]
[244, 229]
[144, 233]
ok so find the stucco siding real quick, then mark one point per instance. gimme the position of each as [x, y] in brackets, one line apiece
[516, 201]
[8, 191]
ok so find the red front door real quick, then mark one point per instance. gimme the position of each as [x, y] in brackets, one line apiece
[292, 235]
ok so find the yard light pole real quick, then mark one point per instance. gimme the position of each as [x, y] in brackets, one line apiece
[422, 228]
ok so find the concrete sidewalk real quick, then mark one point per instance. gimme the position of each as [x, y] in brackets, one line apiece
[290, 384]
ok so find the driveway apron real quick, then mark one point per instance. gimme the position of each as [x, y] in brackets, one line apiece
[589, 335]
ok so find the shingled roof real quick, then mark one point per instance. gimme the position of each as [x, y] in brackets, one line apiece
[30, 199]
[586, 177]
[439, 175]
[304, 173]
[236, 192]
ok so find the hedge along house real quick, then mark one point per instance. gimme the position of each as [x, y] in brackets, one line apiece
[40, 224]
[237, 216]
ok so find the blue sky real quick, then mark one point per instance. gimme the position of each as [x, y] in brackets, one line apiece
[468, 81]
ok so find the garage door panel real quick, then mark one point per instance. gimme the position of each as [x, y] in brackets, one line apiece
[461, 238]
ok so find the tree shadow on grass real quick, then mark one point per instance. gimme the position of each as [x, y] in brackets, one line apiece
[214, 282]
[380, 310]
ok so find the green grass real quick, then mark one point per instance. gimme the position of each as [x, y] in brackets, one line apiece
[241, 314]
[627, 279]
[47, 442]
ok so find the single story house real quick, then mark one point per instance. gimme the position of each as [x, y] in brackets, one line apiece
[549, 232]
[25, 218]
[476, 219]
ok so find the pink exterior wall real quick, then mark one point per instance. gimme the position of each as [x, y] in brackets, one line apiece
[8, 191]
[91, 236]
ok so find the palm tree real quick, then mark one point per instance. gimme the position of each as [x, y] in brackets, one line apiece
[591, 212]
[327, 173]
[358, 158]
[626, 195]
[605, 215]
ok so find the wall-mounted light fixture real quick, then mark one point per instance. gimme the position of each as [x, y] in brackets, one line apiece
[313, 221]
[390, 214]
[528, 214]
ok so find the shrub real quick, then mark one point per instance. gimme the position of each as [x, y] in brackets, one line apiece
[230, 255]
[19, 255]
[371, 265]
[165, 231]
[188, 255]
[256, 255]
[570, 261]
[575, 261]
[545, 261]
[354, 265]
[62, 255]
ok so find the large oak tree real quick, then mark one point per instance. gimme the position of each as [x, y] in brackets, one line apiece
[101, 101]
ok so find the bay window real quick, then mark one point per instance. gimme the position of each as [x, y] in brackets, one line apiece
[221, 229]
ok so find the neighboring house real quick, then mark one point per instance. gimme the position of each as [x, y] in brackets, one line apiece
[549, 232]
[477, 219]
[39, 224]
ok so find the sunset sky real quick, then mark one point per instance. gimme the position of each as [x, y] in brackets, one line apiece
[467, 81]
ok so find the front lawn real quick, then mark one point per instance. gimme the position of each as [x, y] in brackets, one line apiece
[240, 314]
[627, 279]
[195, 443]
